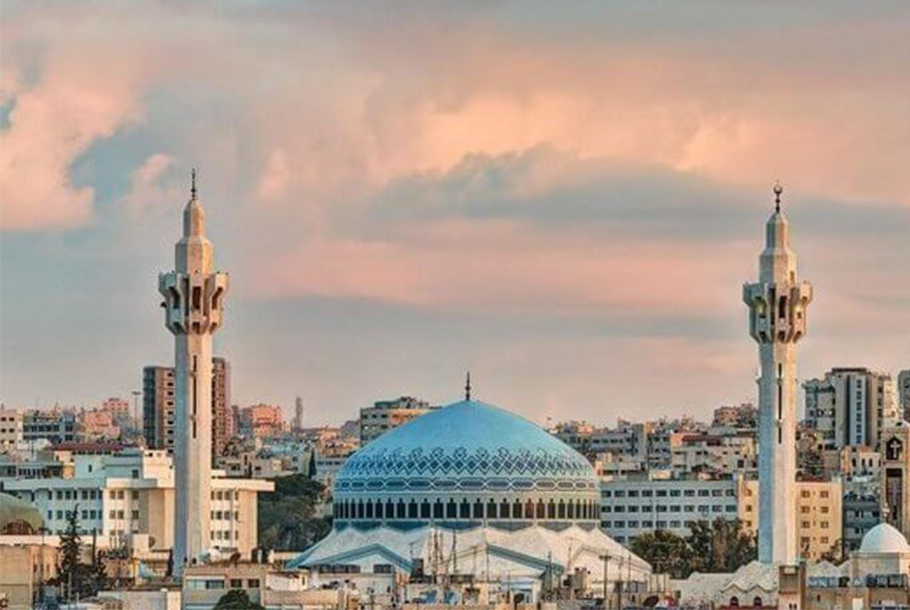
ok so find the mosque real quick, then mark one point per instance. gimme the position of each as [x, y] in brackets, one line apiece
[473, 491]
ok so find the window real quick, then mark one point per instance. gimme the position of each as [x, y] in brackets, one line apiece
[236, 583]
[252, 583]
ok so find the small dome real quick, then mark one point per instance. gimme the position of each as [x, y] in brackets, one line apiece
[18, 516]
[884, 538]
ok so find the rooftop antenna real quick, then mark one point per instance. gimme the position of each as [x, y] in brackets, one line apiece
[778, 191]
[467, 387]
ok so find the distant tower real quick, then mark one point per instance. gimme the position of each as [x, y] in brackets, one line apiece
[298, 414]
[777, 321]
[194, 298]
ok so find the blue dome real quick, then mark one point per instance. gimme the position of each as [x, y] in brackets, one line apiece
[464, 454]
[465, 441]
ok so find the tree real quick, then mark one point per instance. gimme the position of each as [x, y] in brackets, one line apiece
[237, 599]
[311, 467]
[287, 516]
[720, 546]
[78, 580]
[665, 551]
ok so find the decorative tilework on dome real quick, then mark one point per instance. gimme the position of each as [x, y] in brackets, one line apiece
[467, 446]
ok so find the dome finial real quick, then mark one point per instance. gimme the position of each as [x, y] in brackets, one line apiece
[193, 187]
[778, 191]
[467, 387]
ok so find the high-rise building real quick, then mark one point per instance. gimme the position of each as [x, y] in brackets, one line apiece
[56, 425]
[262, 421]
[298, 414]
[11, 429]
[903, 394]
[222, 422]
[777, 321]
[851, 407]
[193, 302]
[158, 406]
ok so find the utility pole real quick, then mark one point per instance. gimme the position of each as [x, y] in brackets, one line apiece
[606, 559]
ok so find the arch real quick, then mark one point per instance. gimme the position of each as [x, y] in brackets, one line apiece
[734, 602]
[360, 509]
[451, 509]
[504, 510]
[437, 509]
[478, 509]
[369, 507]
[541, 510]
[389, 509]
[517, 512]
[551, 509]
[757, 602]
[378, 511]
[412, 509]
[561, 509]
[464, 512]
[425, 509]
[491, 509]
[401, 510]
[571, 509]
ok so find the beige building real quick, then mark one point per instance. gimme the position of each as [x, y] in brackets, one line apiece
[819, 515]
[851, 406]
[11, 430]
[896, 477]
[386, 415]
[261, 421]
[903, 393]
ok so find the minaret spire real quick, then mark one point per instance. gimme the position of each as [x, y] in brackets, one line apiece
[467, 387]
[778, 304]
[193, 187]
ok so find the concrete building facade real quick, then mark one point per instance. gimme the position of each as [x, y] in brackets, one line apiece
[851, 407]
[386, 415]
[11, 429]
[777, 303]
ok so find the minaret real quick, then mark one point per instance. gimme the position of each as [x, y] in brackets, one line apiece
[193, 302]
[777, 321]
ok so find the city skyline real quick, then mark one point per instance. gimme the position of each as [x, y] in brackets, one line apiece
[579, 247]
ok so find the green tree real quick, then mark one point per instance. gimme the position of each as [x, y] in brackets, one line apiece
[665, 551]
[720, 546]
[236, 599]
[75, 579]
[287, 516]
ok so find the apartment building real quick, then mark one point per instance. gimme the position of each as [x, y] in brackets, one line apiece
[386, 415]
[131, 495]
[11, 429]
[55, 425]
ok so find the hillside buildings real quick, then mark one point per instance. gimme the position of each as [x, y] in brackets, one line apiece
[386, 415]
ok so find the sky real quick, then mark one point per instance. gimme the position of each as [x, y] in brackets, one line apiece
[564, 198]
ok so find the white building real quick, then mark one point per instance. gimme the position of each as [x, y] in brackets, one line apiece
[132, 494]
[630, 508]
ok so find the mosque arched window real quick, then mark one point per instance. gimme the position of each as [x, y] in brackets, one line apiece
[400, 510]
[437, 509]
[369, 507]
[360, 509]
[389, 509]
[551, 509]
[561, 510]
[757, 602]
[425, 510]
[491, 509]
[378, 512]
[516, 510]
[478, 509]
[529, 509]
[464, 511]
[541, 510]
[412, 510]
[571, 509]
[451, 509]
[504, 512]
